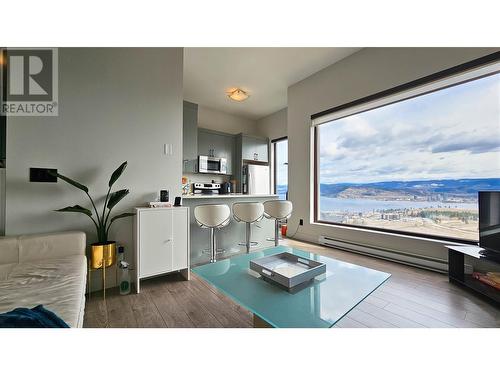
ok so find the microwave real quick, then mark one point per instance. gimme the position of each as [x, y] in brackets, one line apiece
[210, 164]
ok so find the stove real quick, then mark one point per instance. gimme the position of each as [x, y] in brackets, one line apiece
[206, 188]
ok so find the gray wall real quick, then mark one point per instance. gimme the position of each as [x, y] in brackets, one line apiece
[273, 126]
[115, 104]
[3, 123]
[217, 120]
[2, 201]
[366, 72]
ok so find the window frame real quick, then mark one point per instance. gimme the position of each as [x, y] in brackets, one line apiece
[382, 95]
[274, 142]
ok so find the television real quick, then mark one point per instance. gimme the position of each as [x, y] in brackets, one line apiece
[489, 220]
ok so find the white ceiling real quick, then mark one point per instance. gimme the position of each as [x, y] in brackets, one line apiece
[265, 73]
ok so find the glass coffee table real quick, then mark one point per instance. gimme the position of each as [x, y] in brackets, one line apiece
[320, 304]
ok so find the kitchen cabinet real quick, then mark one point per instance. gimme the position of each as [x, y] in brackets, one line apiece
[248, 149]
[190, 136]
[217, 144]
[161, 242]
[254, 148]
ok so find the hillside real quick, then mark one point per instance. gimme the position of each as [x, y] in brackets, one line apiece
[463, 189]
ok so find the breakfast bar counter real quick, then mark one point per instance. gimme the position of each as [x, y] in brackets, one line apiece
[231, 195]
[229, 236]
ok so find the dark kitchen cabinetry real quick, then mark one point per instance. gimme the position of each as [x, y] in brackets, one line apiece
[217, 144]
[249, 149]
[254, 148]
[190, 136]
[190, 131]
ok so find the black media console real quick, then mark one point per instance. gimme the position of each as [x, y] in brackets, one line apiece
[456, 274]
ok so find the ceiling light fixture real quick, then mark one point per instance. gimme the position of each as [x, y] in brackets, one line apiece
[238, 95]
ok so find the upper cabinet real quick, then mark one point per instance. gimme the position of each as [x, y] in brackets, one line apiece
[254, 148]
[190, 132]
[217, 144]
[236, 149]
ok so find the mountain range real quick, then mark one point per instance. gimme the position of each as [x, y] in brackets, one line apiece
[465, 188]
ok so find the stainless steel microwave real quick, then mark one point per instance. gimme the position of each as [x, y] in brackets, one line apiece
[210, 164]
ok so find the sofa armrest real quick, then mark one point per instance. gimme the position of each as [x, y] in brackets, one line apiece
[35, 247]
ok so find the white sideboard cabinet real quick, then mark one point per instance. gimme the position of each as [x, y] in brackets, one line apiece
[161, 242]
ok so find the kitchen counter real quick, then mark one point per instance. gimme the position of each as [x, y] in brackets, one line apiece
[229, 237]
[232, 195]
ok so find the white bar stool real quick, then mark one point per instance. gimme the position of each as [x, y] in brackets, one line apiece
[248, 212]
[277, 210]
[212, 216]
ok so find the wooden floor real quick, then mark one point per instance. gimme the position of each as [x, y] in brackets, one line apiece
[411, 298]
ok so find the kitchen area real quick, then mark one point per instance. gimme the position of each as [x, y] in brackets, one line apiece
[221, 168]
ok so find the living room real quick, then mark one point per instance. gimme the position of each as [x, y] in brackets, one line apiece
[182, 186]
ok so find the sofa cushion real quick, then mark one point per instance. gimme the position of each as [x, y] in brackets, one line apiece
[6, 270]
[58, 284]
[51, 245]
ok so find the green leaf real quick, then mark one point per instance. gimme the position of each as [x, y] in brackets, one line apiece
[116, 197]
[76, 208]
[117, 173]
[71, 182]
[126, 214]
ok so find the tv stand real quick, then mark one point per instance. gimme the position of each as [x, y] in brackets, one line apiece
[456, 274]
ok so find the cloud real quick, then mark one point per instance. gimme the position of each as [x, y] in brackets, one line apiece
[475, 146]
[452, 133]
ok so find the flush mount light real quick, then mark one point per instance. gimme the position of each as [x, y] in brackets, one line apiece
[238, 95]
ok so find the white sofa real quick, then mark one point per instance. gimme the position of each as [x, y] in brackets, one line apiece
[45, 269]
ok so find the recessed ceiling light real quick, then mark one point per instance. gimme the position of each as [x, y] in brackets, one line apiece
[236, 94]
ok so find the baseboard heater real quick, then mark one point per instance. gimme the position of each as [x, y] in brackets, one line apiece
[433, 264]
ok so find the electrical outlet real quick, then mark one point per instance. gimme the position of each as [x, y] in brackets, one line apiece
[301, 222]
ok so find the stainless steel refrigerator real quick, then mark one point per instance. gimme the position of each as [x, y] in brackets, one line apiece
[257, 179]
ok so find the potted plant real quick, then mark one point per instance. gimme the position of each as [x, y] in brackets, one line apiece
[104, 250]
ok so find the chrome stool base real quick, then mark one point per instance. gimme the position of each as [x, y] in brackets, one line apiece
[252, 243]
[272, 239]
[218, 251]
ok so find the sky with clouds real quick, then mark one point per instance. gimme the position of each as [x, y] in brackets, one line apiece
[448, 134]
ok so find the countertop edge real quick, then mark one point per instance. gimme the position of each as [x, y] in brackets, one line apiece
[229, 196]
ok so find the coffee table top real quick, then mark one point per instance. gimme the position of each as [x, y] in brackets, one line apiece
[320, 304]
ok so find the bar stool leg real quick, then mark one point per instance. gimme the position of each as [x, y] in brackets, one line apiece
[276, 232]
[248, 236]
[213, 246]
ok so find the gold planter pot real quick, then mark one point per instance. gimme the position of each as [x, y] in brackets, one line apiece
[103, 253]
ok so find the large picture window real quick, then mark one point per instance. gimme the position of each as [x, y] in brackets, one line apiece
[412, 162]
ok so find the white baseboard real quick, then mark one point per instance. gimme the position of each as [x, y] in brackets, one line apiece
[433, 264]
